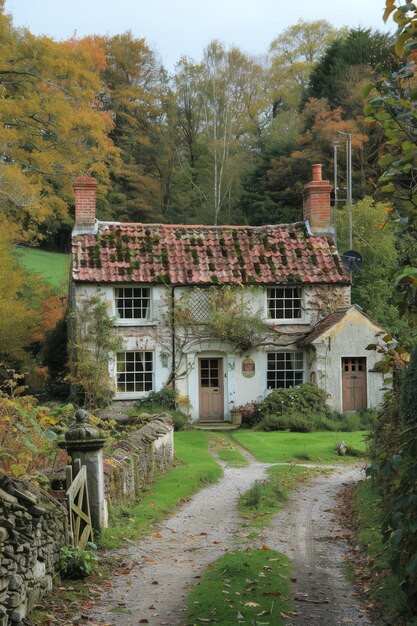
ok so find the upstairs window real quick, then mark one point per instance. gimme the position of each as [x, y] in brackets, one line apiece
[284, 369]
[284, 303]
[133, 303]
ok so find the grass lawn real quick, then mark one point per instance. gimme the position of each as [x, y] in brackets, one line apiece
[262, 501]
[317, 447]
[195, 467]
[227, 450]
[242, 588]
[52, 266]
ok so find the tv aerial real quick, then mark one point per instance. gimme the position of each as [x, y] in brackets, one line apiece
[352, 260]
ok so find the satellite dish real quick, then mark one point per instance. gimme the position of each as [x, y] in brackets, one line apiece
[352, 260]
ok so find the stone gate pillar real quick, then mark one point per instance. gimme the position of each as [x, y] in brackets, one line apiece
[84, 442]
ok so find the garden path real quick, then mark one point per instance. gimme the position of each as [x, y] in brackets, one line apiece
[168, 563]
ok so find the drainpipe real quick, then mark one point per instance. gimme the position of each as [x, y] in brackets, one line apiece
[173, 335]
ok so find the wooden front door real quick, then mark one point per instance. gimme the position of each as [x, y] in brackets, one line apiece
[354, 383]
[211, 389]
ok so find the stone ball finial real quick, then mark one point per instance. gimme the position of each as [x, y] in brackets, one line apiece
[81, 416]
[82, 430]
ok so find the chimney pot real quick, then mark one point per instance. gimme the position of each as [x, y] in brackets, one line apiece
[317, 171]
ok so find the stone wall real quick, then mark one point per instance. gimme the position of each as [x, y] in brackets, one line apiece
[33, 529]
[133, 463]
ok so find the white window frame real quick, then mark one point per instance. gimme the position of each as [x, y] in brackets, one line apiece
[294, 295]
[133, 321]
[144, 374]
[286, 372]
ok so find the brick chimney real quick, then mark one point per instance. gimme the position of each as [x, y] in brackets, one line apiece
[316, 205]
[85, 190]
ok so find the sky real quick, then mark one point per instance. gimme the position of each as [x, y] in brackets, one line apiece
[184, 27]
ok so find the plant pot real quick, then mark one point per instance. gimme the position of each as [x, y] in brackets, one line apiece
[236, 418]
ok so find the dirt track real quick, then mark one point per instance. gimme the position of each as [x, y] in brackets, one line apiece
[169, 563]
[308, 533]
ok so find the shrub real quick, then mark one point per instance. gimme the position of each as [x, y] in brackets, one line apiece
[77, 564]
[304, 400]
[408, 397]
[165, 398]
[162, 401]
[293, 422]
[27, 436]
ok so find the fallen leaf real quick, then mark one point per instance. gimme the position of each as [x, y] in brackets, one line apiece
[158, 536]
[240, 617]
[144, 621]
[154, 582]
[271, 593]
[266, 547]
[252, 604]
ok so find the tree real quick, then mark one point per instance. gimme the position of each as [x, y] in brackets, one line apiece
[133, 82]
[376, 240]
[221, 109]
[51, 126]
[347, 61]
[17, 319]
[293, 55]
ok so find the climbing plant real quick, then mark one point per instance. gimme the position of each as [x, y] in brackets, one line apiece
[94, 342]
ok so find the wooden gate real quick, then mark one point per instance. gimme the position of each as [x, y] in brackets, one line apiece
[78, 505]
[354, 383]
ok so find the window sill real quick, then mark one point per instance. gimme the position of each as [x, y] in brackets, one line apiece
[287, 322]
[135, 322]
[131, 395]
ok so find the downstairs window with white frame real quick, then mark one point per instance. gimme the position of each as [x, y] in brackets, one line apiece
[284, 369]
[135, 372]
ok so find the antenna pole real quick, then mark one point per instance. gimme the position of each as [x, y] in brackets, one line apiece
[335, 183]
[349, 184]
[348, 180]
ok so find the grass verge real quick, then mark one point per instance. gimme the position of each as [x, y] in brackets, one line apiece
[370, 567]
[195, 468]
[317, 447]
[227, 450]
[262, 501]
[52, 266]
[246, 588]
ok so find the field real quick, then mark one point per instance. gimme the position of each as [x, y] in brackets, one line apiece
[52, 266]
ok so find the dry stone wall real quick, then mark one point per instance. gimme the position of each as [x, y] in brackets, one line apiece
[134, 462]
[33, 529]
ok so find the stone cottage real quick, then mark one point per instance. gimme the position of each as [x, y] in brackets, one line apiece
[161, 284]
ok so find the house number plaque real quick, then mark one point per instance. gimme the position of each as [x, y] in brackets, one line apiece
[248, 368]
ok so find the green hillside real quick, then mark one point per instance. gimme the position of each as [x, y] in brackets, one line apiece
[52, 266]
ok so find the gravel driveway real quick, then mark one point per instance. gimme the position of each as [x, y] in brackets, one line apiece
[169, 562]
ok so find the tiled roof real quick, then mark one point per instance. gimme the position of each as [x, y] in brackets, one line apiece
[201, 255]
[325, 324]
[334, 318]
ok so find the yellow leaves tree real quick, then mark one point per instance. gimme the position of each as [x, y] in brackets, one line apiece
[17, 320]
[51, 124]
